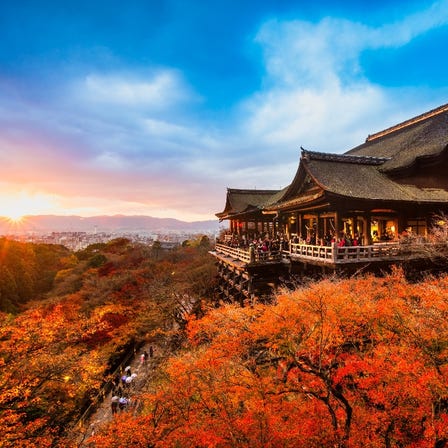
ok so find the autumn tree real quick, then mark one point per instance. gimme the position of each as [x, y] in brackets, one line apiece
[27, 271]
[346, 363]
[58, 353]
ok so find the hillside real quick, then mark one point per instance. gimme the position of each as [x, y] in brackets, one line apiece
[335, 363]
[59, 352]
[339, 363]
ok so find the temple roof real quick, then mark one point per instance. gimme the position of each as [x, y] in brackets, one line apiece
[403, 144]
[366, 181]
[370, 171]
[344, 158]
[365, 172]
[244, 201]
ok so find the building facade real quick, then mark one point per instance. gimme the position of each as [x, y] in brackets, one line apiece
[340, 210]
[394, 183]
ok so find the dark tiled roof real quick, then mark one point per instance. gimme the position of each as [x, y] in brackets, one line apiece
[421, 137]
[275, 198]
[363, 172]
[367, 182]
[422, 117]
[240, 201]
[344, 158]
[295, 201]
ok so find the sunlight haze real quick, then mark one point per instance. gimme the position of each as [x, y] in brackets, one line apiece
[155, 108]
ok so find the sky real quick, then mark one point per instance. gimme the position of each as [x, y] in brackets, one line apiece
[156, 107]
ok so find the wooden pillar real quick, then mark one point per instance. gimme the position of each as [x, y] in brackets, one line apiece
[402, 223]
[320, 229]
[368, 235]
[337, 224]
[355, 226]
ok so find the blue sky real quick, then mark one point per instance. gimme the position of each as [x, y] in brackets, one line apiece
[156, 107]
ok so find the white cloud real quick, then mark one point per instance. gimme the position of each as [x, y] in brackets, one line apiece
[309, 54]
[400, 33]
[110, 161]
[163, 128]
[145, 129]
[161, 90]
[191, 139]
[314, 91]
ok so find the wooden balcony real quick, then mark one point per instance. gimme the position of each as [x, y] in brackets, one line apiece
[349, 254]
[326, 255]
[248, 256]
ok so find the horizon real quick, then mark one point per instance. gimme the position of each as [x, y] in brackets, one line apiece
[116, 215]
[156, 108]
[115, 224]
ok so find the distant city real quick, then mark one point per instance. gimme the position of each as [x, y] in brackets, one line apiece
[80, 240]
[76, 233]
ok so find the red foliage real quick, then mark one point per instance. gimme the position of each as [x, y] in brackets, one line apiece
[344, 363]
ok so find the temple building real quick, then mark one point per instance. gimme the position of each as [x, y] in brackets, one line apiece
[394, 184]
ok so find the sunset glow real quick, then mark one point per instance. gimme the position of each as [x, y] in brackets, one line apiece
[15, 207]
[156, 107]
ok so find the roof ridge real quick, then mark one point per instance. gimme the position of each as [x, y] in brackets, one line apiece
[360, 159]
[409, 122]
[251, 190]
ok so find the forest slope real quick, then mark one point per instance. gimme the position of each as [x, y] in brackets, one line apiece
[336, 363]
[27, 271]
[57, 353]
[339, 363]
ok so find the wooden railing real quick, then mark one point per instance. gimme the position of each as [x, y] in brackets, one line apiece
[248, 255]
[322, 254]
[347, 254]
[307, 251]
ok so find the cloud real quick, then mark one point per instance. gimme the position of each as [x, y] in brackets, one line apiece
[158, 91]
[306, 54]
[315, 93]
[143, 141]
[401, 33]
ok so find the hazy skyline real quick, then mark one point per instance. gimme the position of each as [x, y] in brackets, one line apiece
[156, 107]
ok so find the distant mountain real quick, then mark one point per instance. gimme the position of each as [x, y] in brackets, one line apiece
[115, 223]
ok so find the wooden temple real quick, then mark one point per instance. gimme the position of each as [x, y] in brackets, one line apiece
[340, 211]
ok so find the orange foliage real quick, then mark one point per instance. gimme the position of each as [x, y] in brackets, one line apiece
[344, 363]
[56, 355]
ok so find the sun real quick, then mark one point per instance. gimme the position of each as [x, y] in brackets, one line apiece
[15, 207]
[15, 218]
[15, 215]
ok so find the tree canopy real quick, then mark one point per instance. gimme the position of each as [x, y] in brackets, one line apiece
[26, 271]
[338, 363]
[57, 353]
[346, 363]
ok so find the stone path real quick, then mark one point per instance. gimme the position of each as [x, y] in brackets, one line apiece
[103, 414]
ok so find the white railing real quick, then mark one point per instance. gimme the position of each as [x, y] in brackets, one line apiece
[323, 254]
[311, 252]
[346, 254]
[248, 255]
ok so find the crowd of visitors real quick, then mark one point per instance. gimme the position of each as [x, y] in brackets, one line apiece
[281, 242]
[124, 382]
